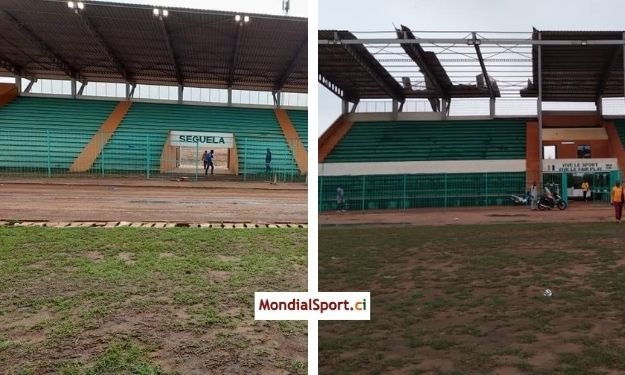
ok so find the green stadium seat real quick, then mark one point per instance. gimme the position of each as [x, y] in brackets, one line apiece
[36, 130]
[138, 142]
[299, 119]
[431, 140]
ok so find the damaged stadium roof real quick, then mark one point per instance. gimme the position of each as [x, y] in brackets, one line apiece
[577, 66]
[577, 73]
[111, 42]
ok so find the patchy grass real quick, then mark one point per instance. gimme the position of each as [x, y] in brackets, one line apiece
[147, 301]
[469, 299]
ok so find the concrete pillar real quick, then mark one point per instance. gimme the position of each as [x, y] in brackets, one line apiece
[539, 109]
[180, 93]
[395, 109]
[18, 84]
[344, 106]
[492, 108]
[74, 91]
[229, 96]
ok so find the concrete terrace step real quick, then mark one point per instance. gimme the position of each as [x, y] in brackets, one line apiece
[148, 224]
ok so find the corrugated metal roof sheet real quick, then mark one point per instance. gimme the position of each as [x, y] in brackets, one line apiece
[36, 35]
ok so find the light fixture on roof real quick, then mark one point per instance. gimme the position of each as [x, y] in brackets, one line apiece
[76, 5]
[160, 12]
[241, 19]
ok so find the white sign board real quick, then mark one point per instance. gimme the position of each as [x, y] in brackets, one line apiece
[201, 139]
[580, 165]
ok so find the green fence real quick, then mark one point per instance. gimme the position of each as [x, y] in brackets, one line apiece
[421, 190]
[36, 152]
[601, 184]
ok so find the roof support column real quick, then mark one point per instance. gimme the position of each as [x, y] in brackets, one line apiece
[130, 91]
[82, 88]
[395, 109]
[180, 93]
[344, 106]
[492, 108]
[18, 84]
[29, 87]
[443, 109]
[277, 98]
[74, 90]
[355, 105]
[539, 109]
[229, 96]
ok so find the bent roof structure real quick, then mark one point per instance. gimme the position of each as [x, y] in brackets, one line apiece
[577, 73]
[576, 66]
[112, 42]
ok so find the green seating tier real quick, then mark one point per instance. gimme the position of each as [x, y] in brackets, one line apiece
[389, 141]
[138, 142]
[41, 133]
[299, 119]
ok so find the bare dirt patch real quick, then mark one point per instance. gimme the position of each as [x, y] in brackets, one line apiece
[164, 313]
[469, 299]
[61, 200]
[95, 256]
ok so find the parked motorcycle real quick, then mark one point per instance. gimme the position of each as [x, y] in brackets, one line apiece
[551, 200]
[520, 199]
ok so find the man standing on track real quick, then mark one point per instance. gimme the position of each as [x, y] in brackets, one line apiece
[534, 196]
[268, 165]
[210, 164]
[616, 199]
[204, 161]
[340, 199]
[585, 189]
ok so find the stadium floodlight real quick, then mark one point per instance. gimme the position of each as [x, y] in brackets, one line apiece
[246, 19]
[165, 13]
[156, 12]
[81, 5]
[70, 4]
[237, 18]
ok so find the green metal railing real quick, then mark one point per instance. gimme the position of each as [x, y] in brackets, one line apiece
[421, 190]
[447, 190]
[49, 153]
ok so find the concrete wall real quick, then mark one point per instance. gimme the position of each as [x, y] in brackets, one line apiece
[420, 167]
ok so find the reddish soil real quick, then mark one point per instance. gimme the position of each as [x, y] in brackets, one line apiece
[140, 200]
[577, 212]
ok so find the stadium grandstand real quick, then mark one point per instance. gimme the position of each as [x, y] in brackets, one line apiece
[450, 119]
[102, 88]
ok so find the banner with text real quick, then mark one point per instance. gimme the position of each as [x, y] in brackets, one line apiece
[580, 165]
[312, 306]
[201, 139]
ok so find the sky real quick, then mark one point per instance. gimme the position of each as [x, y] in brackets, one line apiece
[469, 15]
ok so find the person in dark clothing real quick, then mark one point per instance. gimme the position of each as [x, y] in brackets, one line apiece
[268, 163]
[204, 160]
[208, 162]
[268, 160]
[340, 199]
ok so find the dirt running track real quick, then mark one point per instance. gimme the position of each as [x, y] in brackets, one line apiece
[577, 212]
[123, 200]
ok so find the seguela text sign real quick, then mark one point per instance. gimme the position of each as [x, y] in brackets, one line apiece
[201, 139]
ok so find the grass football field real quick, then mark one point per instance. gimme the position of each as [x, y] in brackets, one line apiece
[148, 301]
[468, 299]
